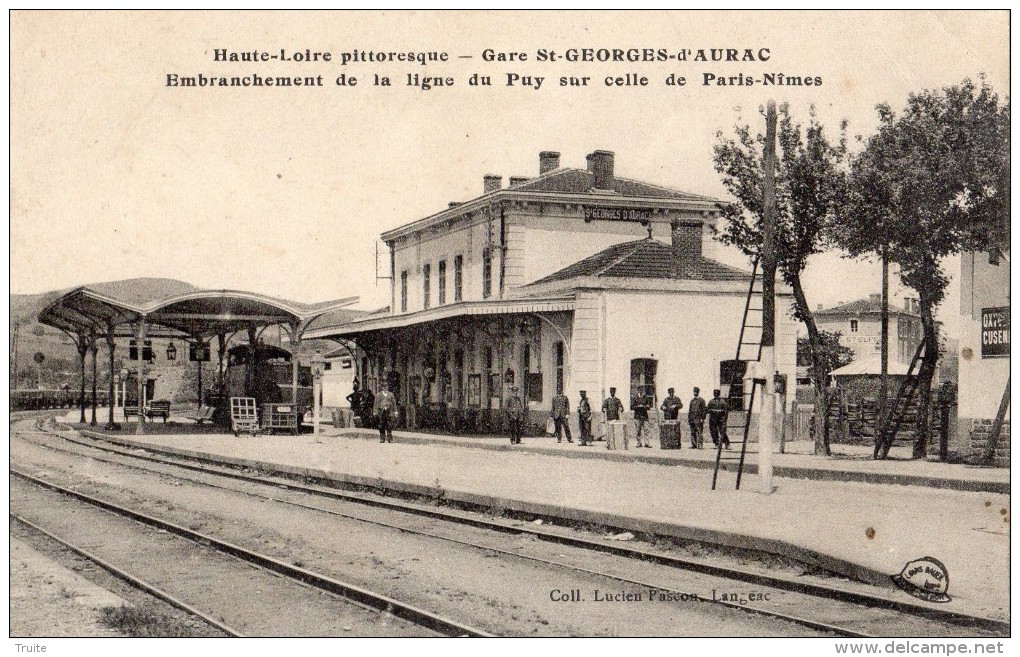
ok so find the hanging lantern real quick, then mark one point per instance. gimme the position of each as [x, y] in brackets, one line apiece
[171, 352]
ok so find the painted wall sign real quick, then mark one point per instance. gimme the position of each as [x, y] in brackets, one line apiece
[601, 213]
[995, 332]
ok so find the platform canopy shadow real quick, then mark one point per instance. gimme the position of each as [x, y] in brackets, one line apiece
[138, 310]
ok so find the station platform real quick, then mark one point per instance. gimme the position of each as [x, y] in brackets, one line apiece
[856, 518]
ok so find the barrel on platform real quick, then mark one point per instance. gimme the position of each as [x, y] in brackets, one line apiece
[669, 434]
[616, 434]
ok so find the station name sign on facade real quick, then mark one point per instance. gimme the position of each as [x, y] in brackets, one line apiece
[995, 332]
[603, 213]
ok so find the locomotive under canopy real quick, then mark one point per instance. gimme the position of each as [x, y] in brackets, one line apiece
[268, 378]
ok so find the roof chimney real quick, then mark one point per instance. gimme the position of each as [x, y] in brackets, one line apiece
[600, 163]
[875, 298]
[518, 180]
[685, 254]
[492, 183]
[548, 161]
[454, 204]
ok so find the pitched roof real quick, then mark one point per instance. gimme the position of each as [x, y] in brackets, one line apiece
[862, 307]
[644, 258]
[580, 181]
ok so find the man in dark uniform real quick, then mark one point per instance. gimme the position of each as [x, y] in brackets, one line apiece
[717, 412]
[560, 414]
[584, 418]
[639, 405]
[696, 412]
[671, 406]
[515, 415]
[367, 407]
[354, 399]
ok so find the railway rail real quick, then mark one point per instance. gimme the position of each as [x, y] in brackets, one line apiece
[245, 570]
[844, 612]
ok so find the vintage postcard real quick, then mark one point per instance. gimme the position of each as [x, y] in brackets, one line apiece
[511, 324]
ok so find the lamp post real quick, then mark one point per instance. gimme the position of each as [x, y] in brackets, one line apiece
[318, 365]
[124, 373]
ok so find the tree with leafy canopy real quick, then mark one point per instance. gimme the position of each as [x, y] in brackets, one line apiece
[832, 356]
[810, 178]
[933, 181]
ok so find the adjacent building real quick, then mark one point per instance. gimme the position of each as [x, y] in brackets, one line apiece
[984, 350]
[572, 279]
[860, 323]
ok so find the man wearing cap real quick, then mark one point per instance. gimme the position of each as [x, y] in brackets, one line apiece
[560, 415]
[584, 418]
[717, 412]
[515, 415]
[671, 406]
[696, 412]
[612, 406]
[385, 412]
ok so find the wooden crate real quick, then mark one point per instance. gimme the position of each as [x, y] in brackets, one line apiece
[617, 434]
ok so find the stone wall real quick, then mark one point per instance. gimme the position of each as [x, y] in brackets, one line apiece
[980, 431]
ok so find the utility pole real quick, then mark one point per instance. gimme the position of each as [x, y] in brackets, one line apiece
[883, 388]
[767, 415]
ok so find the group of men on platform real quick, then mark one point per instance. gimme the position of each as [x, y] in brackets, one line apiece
[382, 408]
[716, 410]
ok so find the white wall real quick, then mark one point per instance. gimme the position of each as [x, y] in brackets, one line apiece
[444, 245]
[337, 382]
[688, 333]
[981, 380]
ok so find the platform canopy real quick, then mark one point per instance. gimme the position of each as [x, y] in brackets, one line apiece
[189, 314]
[165, 308]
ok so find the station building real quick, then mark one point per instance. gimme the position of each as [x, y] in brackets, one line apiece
[573, 279]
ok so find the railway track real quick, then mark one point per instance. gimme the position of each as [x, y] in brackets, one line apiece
[827, 609]
[280, 599]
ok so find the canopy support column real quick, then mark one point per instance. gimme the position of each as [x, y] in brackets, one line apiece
[221, 344]
[140, 335]
[111, 345]
[249, 373]
[83, 349]
[295, 343]
[94, 347]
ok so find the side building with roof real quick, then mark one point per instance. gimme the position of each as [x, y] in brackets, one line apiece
[576, 279]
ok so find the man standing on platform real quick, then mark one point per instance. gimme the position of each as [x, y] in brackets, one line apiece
[584, 418]
[385, 412]
[515, 415]
[639, 405]
[612, 407]
[560, 414]
[671, 406]
[717, 412]
[696, 412]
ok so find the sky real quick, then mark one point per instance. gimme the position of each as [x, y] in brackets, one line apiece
[284, 191]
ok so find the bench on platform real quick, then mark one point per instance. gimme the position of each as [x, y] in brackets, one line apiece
[158, 408]
[130, 411]
[203, 414]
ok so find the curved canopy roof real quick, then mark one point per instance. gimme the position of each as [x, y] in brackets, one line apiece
[190, 313]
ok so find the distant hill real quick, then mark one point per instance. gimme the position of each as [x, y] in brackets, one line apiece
[61, 355]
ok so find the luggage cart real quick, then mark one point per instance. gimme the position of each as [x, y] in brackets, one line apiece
[281, 416]
[244, 416]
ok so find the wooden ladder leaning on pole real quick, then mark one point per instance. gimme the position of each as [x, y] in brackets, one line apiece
[748, 350]
[894, 416]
